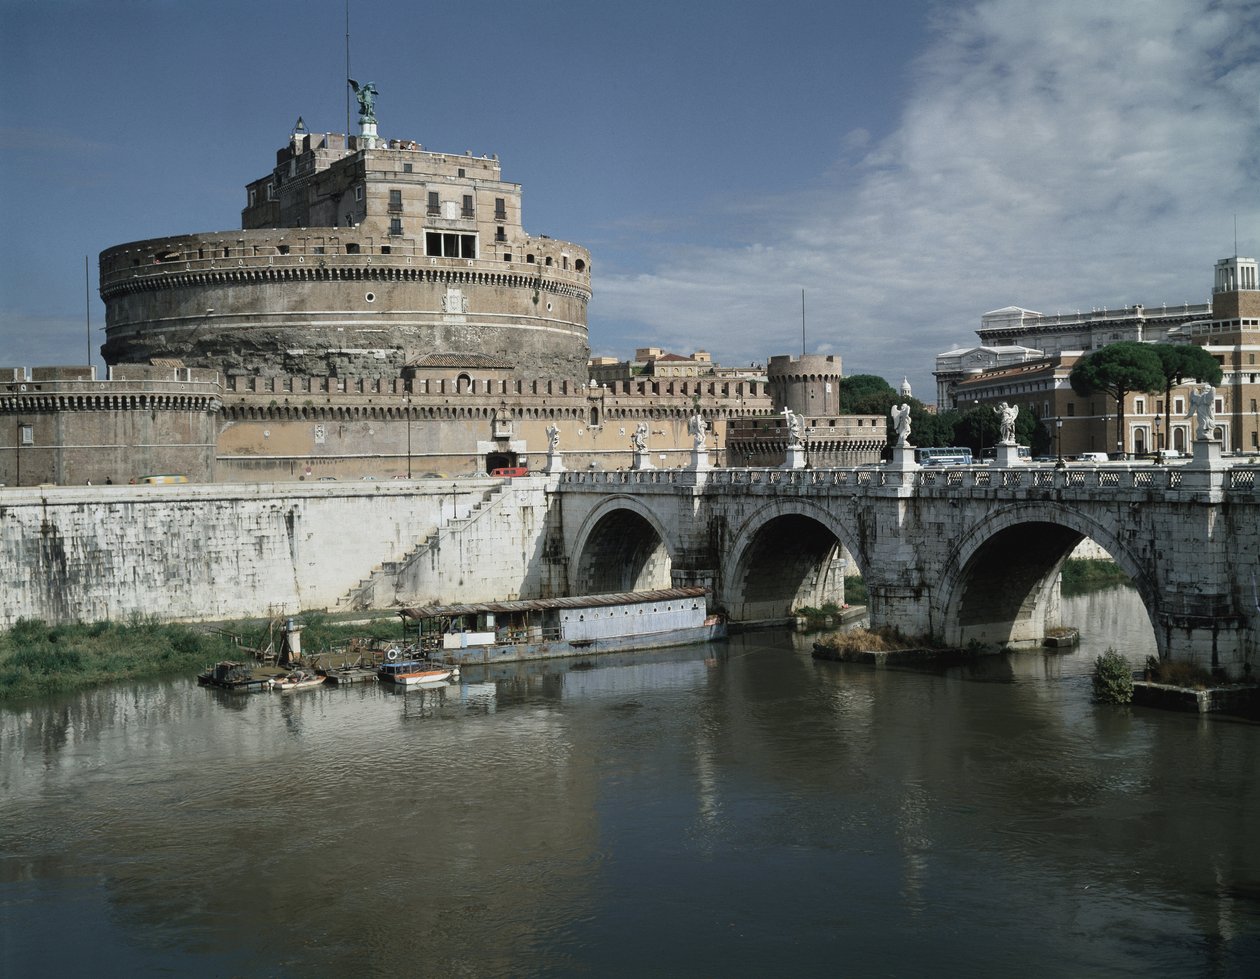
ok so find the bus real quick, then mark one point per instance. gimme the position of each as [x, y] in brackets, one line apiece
[951, 456]
[160, 479]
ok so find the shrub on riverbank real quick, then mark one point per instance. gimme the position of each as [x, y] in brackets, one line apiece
[1113, 678]
[38, 659]
[872, 640]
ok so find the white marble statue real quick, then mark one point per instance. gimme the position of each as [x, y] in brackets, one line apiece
[698, 429]
[1006, 419]
[796, 427]
[901, 423]
[1203, 407]
[638, 441]
[553, 437]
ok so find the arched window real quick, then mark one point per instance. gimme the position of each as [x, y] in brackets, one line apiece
[463, 384]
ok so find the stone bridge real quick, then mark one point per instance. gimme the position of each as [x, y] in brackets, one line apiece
[961, 554]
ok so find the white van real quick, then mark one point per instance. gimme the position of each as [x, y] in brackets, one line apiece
[1168, 455]
[1092, 457]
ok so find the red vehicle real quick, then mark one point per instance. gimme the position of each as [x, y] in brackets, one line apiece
[507, 472]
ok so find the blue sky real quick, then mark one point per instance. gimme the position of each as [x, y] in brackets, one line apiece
[909, 164]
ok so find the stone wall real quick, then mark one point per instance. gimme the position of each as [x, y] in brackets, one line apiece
[215, 552]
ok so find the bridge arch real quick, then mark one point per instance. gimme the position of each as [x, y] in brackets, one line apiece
[785, 554]
[998, 587]
[621, 545]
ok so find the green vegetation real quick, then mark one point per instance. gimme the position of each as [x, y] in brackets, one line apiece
[1113, 678]
[38, 659]
[876, 640]
[1177, 674]
[855, 590]
[1084, 575]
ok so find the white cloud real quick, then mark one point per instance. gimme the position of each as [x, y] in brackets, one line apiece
[1057, 156]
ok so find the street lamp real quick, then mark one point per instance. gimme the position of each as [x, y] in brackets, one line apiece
[1058, 441]
[980, 427]
[1158, 444]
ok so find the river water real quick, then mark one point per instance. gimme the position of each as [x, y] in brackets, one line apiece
[734, 809]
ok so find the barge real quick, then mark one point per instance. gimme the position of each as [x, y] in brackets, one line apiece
[547, 628]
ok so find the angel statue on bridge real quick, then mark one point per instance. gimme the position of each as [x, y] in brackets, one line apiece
[553, 437]
[638, 440]
[900, 415]
[1006, 418]
[1203, 407]
[698, 429]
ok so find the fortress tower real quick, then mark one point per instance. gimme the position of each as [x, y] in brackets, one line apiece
[357, 256]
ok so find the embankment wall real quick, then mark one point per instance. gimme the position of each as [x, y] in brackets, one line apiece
[200, 552]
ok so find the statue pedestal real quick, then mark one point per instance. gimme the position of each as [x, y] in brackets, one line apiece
[699, 460]
[903, 458]
[795, 457]
[641, 459]
[555, 464]
[367, 135]
[1207, 454]
[1006, 455]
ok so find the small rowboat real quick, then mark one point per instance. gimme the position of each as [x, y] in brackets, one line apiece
[297, 680]
[415, 672]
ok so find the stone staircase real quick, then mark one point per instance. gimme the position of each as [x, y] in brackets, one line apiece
[378, 589]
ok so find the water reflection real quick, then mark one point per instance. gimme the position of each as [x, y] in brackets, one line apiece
[729, 809]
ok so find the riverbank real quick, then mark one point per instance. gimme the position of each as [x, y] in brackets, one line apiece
[38, 659]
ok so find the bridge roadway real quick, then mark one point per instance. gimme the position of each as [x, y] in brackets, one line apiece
[964, 554]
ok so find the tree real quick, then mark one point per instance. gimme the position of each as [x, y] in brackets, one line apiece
[1180, 361]
[866, 394]
[1118, 369]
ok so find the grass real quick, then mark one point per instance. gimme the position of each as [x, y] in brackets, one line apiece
[38, 659]
[876, 640]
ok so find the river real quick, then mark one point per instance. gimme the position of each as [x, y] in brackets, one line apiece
[733, 809]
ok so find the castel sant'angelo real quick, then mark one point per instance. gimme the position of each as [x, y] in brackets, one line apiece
[381, 312]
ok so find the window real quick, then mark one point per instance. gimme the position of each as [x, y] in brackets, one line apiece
[406, 168]
[352, 248]
[395, 226]
[253, 197]
[450, 245]
[1179, 405]
[499, 234]
[435, 205]
[358, 192]
[1071, 409]
[468, 206]
[500, 209]
[1139, 406]
[385, 249]
[507, 256]
[28, 434]
[271, 190]
[460, 171]
[1159, 406]
[395, 201]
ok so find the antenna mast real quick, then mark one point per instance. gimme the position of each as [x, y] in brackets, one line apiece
[802, 322]
[87, 308]
[346, 82]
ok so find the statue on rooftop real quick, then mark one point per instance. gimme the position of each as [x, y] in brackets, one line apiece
[366, 94]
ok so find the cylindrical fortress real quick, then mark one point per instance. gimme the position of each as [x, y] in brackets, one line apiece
[809, 385]
[357, 257]
[295, 301]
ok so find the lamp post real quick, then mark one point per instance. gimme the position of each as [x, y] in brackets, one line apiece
[1158, 444]
[1058, 441]
[980, 427]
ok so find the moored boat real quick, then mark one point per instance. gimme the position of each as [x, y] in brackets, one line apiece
[297, 680]
[233, 676]
[409, 672]
[504, 632]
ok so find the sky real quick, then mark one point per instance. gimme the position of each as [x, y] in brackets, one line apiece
[875, 176]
